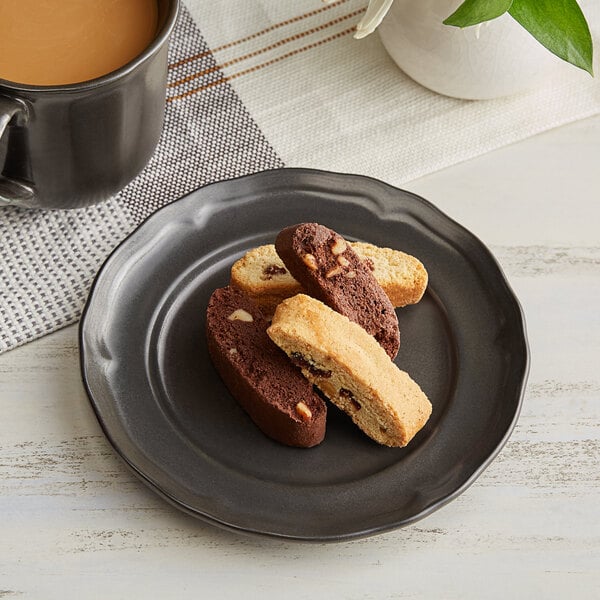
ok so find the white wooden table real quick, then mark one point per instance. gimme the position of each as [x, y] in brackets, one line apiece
[75, 523]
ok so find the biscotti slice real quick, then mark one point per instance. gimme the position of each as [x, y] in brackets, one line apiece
[328, 269]
[281, 402]
[263, 276]
[351, 369]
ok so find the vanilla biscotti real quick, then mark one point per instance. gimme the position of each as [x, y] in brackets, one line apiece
[351, 369]
[263, 276]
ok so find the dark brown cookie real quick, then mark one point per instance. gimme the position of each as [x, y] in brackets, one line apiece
[329, 270]
[280, 401]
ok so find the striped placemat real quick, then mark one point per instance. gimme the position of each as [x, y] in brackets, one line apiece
[265, 83]
[326, 100]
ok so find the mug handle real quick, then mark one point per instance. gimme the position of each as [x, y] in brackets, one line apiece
[13, 192]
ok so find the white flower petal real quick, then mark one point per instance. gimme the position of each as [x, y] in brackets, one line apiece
[375, 13]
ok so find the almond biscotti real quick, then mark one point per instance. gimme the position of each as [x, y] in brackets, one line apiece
[351, 369]
[329, 270]
[281, 402]
[263, 276]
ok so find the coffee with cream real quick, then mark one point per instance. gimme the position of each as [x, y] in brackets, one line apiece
[56, 42]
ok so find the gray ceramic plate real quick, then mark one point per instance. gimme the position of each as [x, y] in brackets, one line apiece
[167, 413]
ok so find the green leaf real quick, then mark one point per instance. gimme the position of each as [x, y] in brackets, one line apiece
[560, 26]
[473, 12]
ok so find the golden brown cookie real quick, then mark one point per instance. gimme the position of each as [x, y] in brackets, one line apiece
[351, 369]
[263, 276]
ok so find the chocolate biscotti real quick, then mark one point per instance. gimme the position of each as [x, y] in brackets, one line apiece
[328, 269]
[263, 276]
[280, 401]
[351, 369]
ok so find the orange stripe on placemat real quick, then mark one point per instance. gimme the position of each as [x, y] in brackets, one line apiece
[277, 44]
[253, 36]
[262, 65]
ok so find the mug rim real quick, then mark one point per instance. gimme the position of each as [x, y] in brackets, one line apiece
[89, 84]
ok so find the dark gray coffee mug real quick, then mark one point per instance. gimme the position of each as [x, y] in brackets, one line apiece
[69, 146]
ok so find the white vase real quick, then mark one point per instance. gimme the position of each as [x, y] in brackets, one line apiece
[491, 60]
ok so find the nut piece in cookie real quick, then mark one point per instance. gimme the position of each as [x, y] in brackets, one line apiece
[351, 369]
[280, 401]
[328, 269]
